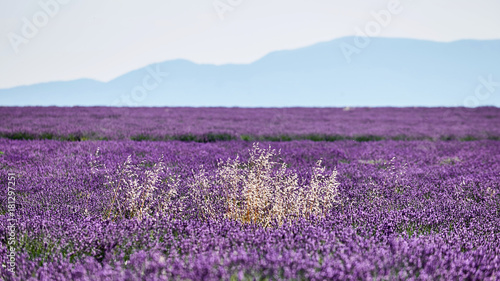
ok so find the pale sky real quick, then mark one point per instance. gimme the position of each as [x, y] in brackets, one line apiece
[102, 39]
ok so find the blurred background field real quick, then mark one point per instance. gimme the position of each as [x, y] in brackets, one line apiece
[250, 124]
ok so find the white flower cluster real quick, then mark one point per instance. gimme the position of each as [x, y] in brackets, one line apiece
[261, 190]
[134, 191]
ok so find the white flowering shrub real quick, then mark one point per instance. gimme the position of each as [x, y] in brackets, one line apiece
[134, 191]
[261, 190]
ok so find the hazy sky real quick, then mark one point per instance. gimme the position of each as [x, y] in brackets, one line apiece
[49, 40]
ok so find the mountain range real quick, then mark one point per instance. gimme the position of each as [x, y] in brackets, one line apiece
[387, 72]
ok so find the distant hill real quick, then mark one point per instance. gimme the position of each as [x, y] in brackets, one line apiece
[389, 72]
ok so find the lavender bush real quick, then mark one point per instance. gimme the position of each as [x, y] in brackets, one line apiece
[413, 210]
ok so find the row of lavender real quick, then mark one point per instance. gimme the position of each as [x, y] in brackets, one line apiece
[212, 124]
[432, 212]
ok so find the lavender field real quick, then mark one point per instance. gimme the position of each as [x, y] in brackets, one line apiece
[251, 124]
[399, 194]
